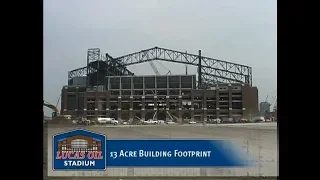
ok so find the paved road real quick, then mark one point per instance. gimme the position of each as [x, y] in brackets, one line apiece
[260, 140]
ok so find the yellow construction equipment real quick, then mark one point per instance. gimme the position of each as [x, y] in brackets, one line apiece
[56, 113]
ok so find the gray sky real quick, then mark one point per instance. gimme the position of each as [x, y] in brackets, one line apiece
[243, 32]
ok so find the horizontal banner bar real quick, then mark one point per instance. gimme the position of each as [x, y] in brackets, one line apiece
[174, 153]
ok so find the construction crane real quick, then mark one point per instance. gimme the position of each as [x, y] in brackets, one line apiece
[56, 112]
[274, 100]
[169, 72]
[275, 106]
[154, 68]
[158, 74]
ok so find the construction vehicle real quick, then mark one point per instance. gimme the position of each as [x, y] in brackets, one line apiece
[56, 113]
[150, 121]
[102, 120]
[85, 121]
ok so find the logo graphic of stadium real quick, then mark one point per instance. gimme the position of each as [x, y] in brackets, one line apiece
[79, 150]
[79, 143]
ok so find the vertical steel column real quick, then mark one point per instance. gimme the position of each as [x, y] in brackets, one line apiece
[199, 71]
[168, 91]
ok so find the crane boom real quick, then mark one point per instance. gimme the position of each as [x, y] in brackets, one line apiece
[154, 68]
[169, 72]
[275, 107]
[54, 108]
[158, 74]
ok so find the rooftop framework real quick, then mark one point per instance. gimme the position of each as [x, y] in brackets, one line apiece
[210, 71]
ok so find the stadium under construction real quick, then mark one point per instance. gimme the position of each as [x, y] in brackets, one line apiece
[106, 88]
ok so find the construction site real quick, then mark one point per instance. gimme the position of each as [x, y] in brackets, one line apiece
[106, 88]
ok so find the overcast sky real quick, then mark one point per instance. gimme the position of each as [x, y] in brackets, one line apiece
[243, 32]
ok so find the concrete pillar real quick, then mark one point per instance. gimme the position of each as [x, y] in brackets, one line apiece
[204, 106]
[143, 115]
[205, 115]
[192, 106]
[180, 115]
[131, 114]
[230, 100]
[180, 85]
[217, 104]
[242, 98]
[167, 108]
[143, 103]
[180, 108]
[96, 102]
[85, 104]
[119, 108]
[144, 86]
[100, 106]
[192, 114]
[108, 104]
[131, 85]
[155, 102]
[108, 101]
[119, 114]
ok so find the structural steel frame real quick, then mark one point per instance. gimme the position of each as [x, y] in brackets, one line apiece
[210, 71]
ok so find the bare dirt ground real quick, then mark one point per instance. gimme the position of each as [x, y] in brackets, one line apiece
[260, 140]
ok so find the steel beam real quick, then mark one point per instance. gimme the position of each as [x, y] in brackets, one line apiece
[212, 71]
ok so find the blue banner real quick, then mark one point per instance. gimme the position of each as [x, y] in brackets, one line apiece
[173, 153]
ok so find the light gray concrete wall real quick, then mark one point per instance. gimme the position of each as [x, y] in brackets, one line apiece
[260, 141]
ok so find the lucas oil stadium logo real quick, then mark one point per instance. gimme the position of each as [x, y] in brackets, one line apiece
[79, 150]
